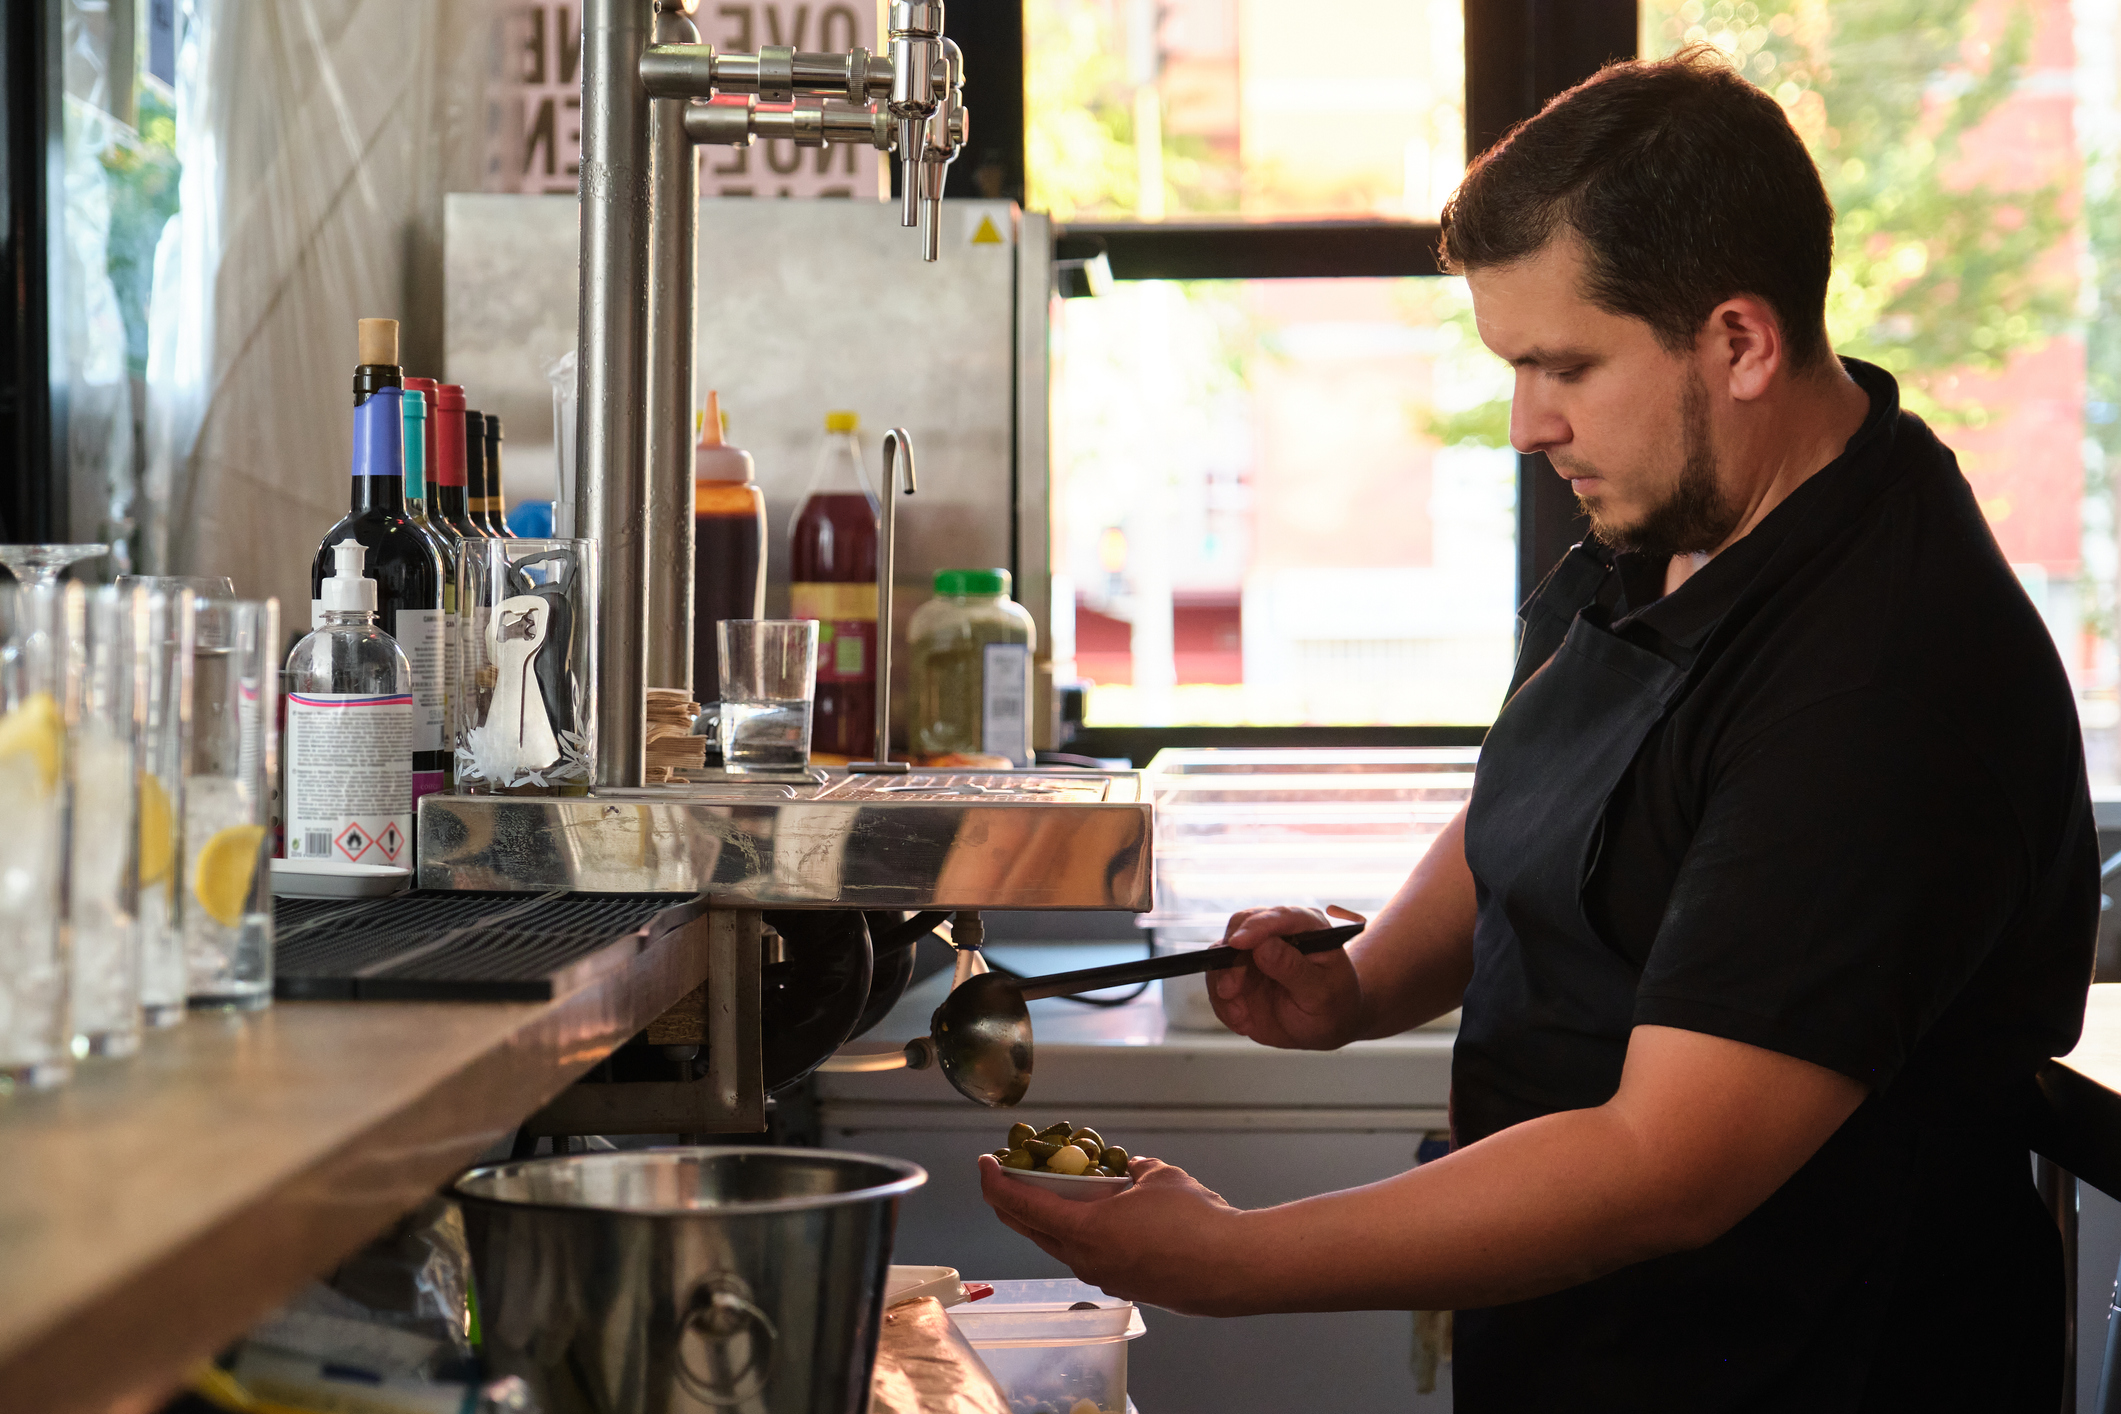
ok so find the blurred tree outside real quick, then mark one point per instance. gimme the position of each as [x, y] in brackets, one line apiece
[1935, 272]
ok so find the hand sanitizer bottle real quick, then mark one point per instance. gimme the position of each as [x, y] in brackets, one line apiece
[349, 729]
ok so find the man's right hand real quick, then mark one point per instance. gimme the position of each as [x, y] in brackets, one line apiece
[1280, 997]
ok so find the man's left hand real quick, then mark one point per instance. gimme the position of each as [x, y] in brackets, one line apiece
[1166, 1241]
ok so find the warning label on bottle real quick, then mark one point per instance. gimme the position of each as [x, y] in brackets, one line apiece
[349, 777]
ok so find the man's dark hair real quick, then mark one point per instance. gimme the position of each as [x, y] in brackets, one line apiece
[1686, 185]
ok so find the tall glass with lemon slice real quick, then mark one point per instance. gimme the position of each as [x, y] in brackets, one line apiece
[37, 624]
[228, 931]
[106, 679]
[165, 760]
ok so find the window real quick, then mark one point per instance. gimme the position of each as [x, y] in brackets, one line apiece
[1156, 109]
[1970, 148]
[1255, 515]
[1276, 503]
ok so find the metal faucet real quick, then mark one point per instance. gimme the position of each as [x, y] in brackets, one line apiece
[898, 451]
[644, 86]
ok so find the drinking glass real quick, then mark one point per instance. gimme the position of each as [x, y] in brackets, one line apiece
[206, 586]
[526, 675]
[165, 763]
[37, 625]
[108, 678]
[769, 678]
[40, 564]
[228, 926]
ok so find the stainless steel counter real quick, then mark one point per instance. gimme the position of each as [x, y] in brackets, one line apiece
[1004, 839]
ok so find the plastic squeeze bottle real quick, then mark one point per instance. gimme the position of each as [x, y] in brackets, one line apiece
[349, 729]
[729, 545]
[832, 578]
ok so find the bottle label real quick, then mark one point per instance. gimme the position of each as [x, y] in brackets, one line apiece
[846, 628]
[419, 633]
[1005, 705]
[449, 667]
[349, 777]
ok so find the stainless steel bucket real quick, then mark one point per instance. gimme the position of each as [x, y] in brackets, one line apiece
[670, 1281]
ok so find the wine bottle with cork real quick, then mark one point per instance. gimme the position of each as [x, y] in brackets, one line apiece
[401, 560]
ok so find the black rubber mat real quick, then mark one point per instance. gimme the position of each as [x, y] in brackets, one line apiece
[451, 946]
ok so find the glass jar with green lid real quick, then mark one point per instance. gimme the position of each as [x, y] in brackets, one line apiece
[971, 652]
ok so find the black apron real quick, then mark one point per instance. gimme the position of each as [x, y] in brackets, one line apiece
[1548, 995]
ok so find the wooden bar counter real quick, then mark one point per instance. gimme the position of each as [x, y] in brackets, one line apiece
[155, 1208]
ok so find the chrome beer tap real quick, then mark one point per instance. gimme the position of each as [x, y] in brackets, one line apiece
[644, 89]
[909, 102]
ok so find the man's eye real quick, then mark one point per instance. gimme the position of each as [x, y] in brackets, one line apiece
[1569, 374]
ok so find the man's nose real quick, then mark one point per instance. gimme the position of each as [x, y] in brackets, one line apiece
[1535, 424]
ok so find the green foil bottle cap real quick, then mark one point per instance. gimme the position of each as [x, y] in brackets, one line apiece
[968, 582]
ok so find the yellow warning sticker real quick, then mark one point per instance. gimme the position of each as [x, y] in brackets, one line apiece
[987, 233]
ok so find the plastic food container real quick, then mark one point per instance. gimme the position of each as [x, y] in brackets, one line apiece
[1048, 1358]
[1250, 829]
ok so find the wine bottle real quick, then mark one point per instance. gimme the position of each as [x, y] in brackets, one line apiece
[496, 502]
[450, 493]
[475, 499]
[404, 564]
[419, 463]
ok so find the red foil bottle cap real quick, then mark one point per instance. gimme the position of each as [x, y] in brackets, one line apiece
[449, 436]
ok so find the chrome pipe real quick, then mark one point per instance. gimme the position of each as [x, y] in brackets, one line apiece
[898, 451]
[673, 332]
[611, 451]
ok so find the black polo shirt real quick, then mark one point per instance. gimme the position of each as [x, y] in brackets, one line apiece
[1861, 836]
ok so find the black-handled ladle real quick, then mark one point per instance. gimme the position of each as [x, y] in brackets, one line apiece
[982, 1031]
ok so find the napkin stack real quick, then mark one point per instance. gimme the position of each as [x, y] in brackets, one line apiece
[672, 748]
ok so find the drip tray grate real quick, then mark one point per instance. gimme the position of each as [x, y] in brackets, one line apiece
[439, 945]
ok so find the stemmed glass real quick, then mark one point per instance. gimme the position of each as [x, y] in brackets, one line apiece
[40, 564]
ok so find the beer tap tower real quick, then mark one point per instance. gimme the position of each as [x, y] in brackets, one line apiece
[647, 83]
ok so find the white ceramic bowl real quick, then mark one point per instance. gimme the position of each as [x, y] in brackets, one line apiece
[1077, 1187]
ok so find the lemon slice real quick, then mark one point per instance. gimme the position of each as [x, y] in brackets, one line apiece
[227, 865]
[34, 728]
[157, 842]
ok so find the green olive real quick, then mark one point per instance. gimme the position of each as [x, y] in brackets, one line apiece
[1086, 1132]
[1018, 1159]
[1114, 1157]
[1103, 1172]
[1019, 1132]
[999, 1153]
[1062, 1128]
[1090, 1148]
[1041, 1149]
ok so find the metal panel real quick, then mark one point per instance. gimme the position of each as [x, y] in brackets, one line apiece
[921, 841]
[805, 306]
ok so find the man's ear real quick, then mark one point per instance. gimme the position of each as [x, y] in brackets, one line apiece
[1742, 345]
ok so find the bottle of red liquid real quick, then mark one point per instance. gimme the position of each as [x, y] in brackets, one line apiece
[832, 574]
[729, 545]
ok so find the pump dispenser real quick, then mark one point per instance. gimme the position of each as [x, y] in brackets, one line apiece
[348, 591]
[349, 746]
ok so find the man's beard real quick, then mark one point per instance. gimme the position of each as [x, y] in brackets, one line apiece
[1696, 517]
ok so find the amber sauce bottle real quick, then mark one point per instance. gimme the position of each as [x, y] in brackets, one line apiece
[729, 545]
[832, 578]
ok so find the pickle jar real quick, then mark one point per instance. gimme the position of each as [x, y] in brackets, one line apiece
[970, 669]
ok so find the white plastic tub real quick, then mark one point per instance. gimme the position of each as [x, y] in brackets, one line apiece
[1048, 1358]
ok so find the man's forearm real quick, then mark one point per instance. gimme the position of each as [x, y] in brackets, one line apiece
[1536, 1208]
[1416, 956]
